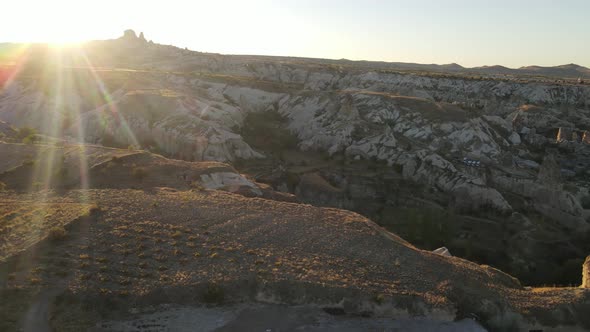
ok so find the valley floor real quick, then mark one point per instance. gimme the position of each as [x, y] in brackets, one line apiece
[261, 317]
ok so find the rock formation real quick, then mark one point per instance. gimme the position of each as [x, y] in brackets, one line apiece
[129, 34]
[421, 124]
[564, 134]
[443, 251]
[575, 137]
[586, 273]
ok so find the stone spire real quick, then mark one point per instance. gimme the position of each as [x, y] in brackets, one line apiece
[586, 273]
[575, 137]
[564, 134]
[129, 34]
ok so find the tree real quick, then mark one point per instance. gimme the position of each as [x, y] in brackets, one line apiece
[139, 173]
[24, 132]
[30, 139]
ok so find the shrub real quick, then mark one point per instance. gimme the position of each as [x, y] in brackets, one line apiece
[379, 298]
[61, 173]
[34, 280]
[139, 173]
[25, 132]
[197, 186]
[213, 294]
[30, 139]
[92, 211]
[57, 233]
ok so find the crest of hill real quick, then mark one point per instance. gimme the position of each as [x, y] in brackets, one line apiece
[569, 70]
[303, 253]
[131, 49]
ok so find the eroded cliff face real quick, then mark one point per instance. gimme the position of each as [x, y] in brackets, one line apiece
[420, 123]
[478, 142]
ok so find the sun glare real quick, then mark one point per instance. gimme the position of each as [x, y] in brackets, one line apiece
[64, 45]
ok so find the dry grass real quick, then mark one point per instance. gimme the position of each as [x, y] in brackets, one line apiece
[129, 249]
[26, 222]
[57, 233]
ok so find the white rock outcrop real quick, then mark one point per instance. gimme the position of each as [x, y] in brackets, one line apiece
[443, 251]
[228, 181]
[425, 124]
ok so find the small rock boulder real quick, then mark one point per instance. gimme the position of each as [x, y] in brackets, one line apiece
[443, 251]
[515, 139]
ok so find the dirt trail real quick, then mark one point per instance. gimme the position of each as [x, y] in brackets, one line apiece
[274, 318]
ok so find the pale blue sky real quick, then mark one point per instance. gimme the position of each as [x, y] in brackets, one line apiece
[471, 33]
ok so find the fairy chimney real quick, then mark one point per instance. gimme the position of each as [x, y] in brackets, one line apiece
[564, 134]
[586, 273]
[575, 137]
[129, 35]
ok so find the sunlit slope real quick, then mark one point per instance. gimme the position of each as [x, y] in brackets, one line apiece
[162, 245]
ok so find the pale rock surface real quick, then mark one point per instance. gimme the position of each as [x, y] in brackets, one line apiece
[514, 139]
[415, 121]
[228, 181]
[443, 251]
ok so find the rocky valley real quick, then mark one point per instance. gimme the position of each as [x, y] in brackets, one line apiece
[257, 158]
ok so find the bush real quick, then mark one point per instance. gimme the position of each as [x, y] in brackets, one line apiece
[61, 174]
[213, 294]
[139, 173]
[30, 139]
[57, 233]
[379, 299]
[197, 186]
[24, 132]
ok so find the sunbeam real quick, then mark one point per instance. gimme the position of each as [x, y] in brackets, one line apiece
[16, 59]
[111, 105]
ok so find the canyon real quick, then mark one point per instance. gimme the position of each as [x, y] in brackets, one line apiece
[493, 166]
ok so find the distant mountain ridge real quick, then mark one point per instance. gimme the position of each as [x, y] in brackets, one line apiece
[8, 52]
[562, 71]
